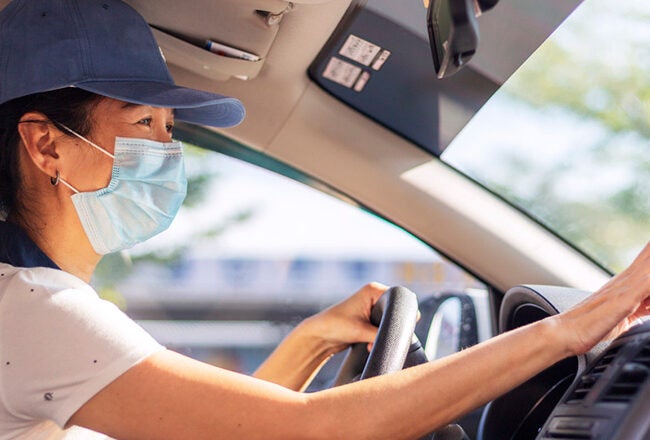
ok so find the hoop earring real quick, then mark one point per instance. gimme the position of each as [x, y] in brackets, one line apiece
[55, 180]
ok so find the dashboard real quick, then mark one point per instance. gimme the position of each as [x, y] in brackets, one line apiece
[611, 398]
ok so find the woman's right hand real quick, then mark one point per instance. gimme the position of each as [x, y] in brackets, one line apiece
[612, 309]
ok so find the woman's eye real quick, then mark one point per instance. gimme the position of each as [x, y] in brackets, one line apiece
[145, 121]
[169, 128]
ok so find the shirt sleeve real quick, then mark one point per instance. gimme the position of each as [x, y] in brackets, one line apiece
[60, 344]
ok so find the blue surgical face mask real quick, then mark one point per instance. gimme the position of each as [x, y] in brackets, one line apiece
[146, 190]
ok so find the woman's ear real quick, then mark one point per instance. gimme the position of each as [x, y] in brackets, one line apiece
[38, 136]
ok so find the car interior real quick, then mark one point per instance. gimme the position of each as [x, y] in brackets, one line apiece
[362, 98]
[292, 119]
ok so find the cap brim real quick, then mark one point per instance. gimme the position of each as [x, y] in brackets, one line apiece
[194, 106]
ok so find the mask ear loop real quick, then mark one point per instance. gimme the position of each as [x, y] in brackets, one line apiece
[74, 133]
[57, 179]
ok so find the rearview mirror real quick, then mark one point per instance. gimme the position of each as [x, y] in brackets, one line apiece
[454, 32]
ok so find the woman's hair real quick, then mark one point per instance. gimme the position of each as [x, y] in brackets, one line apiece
[71, 107]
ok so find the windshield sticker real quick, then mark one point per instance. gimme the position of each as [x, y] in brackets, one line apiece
[359, 50]
[381, 59]
[342, 72]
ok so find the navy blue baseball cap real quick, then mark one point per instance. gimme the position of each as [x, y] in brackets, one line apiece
[102, 46]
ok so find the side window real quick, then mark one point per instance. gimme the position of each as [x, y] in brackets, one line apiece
[252, 253]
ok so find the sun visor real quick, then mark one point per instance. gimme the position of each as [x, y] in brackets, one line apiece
[215, 40]
[385, 71]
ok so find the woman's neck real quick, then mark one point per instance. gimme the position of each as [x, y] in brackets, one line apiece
[62, 239]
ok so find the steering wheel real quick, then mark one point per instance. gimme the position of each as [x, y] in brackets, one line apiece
[395, 347]
[395, 313]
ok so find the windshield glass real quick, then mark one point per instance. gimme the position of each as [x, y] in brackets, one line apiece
[567, 138]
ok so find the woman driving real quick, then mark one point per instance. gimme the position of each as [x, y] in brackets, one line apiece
[88, 167]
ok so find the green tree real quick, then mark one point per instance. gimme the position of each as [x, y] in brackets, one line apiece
[603, 78]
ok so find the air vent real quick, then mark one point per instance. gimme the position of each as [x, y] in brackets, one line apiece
[630, 379]
[567, 428]
[569, 436]
[643, 357]
[589, 379]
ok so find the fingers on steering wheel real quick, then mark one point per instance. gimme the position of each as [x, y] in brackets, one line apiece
[376, 290]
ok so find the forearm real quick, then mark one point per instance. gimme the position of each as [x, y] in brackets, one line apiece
[169, 396]
[295, 362]
[416, 401]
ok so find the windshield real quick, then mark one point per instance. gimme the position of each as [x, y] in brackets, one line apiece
[567, 138]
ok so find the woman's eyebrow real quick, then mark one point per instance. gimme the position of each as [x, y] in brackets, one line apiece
[129, 105]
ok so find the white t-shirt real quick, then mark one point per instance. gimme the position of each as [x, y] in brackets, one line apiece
[60, 344]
